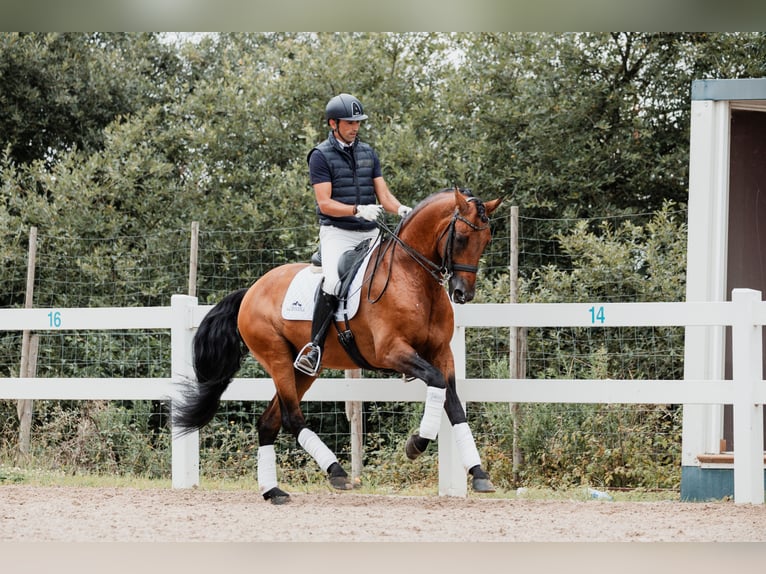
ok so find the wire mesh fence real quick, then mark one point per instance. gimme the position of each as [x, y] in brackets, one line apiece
[609, 445]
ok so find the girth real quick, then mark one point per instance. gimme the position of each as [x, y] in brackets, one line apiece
[348, 267]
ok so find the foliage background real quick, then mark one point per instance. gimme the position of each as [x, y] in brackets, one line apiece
[113, 143]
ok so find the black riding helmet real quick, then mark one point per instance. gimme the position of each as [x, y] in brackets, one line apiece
[344, 107]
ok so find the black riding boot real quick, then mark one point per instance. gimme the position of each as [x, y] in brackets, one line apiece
[310, 356]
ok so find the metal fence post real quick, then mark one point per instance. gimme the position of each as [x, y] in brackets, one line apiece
[747, 373]
[184, 449]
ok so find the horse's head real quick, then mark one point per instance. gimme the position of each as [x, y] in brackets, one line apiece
[445, 235]
[464, 241]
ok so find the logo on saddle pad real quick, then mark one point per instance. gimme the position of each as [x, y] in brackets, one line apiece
[296, 307]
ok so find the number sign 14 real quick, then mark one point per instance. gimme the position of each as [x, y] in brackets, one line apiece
[597, 314]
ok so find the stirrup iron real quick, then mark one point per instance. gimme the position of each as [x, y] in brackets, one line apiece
[304, 351]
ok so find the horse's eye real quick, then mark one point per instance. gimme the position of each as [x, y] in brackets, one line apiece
[461, 240]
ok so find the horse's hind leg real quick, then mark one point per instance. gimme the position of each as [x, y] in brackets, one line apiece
[293, 421]
[268, 429]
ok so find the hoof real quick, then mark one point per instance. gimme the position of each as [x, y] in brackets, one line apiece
[338, 478]
[416, 445]
[483, 485]
[341, 483]
[276, 496]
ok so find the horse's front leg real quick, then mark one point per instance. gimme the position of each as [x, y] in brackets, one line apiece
[436, 393]
[466, 446]
[442, 393]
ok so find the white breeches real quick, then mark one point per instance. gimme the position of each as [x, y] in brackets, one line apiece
[334, 243]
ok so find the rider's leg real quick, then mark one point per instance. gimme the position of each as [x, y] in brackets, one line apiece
[310, 358]
[334, 242]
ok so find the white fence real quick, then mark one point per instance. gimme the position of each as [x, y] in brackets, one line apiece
[746, 314]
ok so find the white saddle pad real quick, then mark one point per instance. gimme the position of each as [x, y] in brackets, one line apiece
[298, 304]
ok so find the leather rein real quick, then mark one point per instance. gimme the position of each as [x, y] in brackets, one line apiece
[441, 273]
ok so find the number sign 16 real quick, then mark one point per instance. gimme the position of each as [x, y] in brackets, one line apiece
[54, 319]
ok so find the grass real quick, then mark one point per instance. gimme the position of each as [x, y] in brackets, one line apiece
[37, 477]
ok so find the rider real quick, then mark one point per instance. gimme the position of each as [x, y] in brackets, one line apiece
[346, 176]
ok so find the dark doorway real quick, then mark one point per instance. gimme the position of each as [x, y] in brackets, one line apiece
[746, 251]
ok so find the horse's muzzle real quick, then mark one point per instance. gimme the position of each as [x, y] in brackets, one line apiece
[460, 292]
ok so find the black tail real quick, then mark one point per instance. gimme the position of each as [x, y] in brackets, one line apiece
[218, 355]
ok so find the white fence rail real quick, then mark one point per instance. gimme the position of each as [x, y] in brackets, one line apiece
[746, 314]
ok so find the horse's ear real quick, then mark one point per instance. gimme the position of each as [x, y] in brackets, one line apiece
[491, 206]
[461, 201]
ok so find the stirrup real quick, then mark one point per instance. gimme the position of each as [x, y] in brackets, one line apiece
[299, 366]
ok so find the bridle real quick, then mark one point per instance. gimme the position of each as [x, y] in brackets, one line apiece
[443, 272]
[448, 266]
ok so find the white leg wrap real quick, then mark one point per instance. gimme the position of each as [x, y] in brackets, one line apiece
[267, 468]
[432, 414]
[466, 446]
[316, 448]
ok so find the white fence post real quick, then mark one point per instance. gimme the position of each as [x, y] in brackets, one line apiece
[452, 477]
[185, 449]
[747, 373]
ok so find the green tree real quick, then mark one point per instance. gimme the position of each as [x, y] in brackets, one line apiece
[576, 125]
[581, 125]
[59, 91]
[112, 144]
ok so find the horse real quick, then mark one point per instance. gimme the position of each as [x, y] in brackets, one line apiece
[404, 325]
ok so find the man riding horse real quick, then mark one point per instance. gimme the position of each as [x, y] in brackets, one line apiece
[347, 180]
[404, 324]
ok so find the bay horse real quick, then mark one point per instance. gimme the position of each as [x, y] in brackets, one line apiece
[404, 324]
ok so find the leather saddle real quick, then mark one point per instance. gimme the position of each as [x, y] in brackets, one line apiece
[348, 265]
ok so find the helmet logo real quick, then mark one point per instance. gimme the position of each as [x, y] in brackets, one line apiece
[356, 109]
